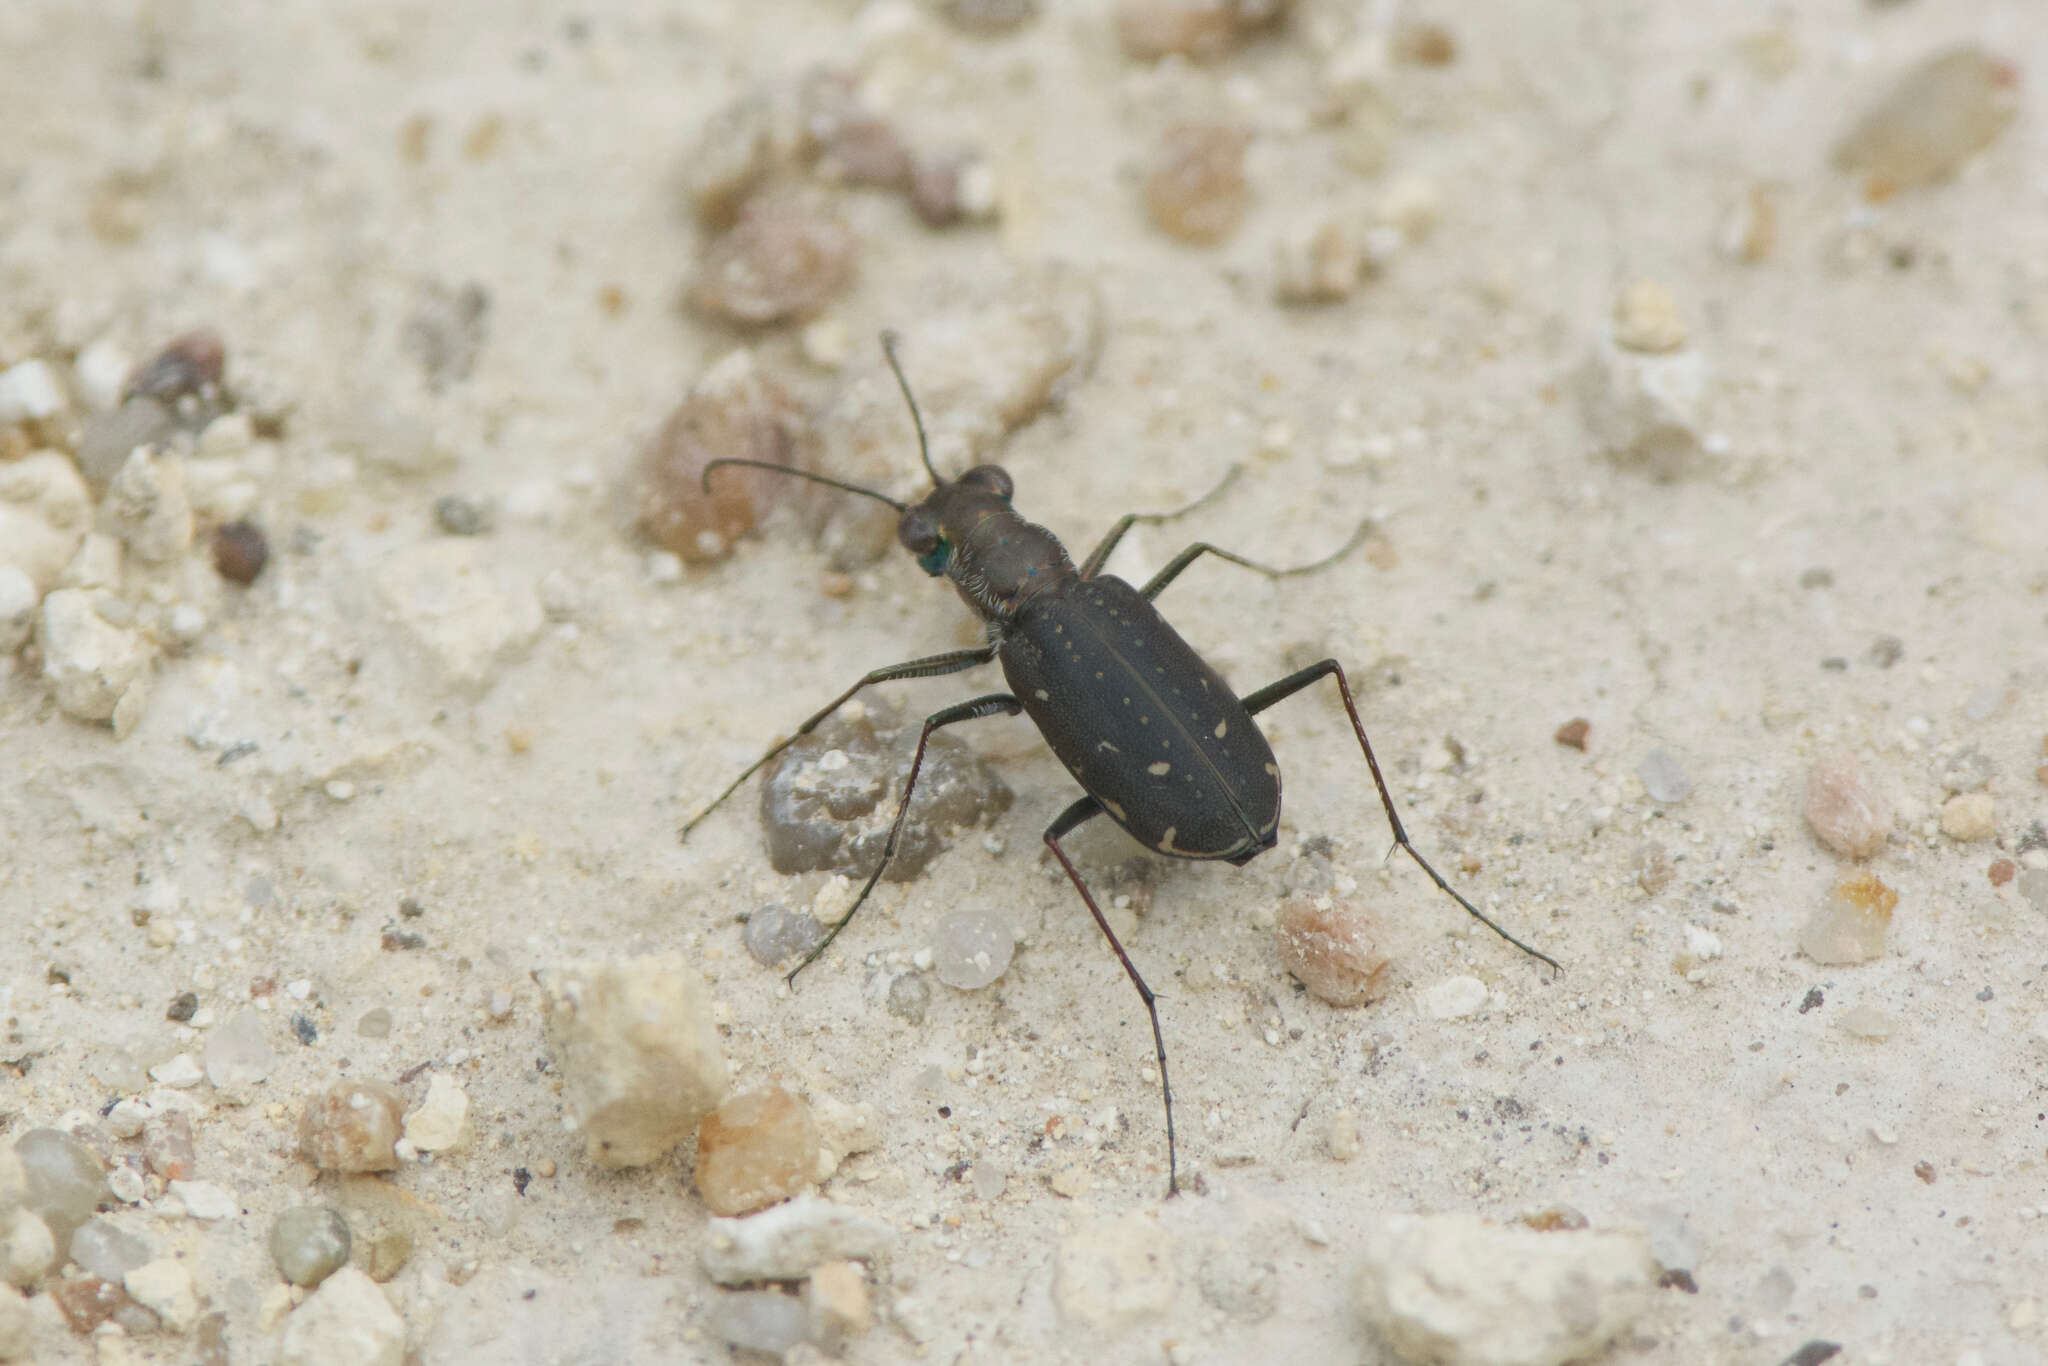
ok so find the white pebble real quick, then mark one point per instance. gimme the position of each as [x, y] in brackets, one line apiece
[205, 1200]
[29, 392]
[179, 1071]
[1454, 997]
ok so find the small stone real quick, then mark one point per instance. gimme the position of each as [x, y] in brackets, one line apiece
[64, 1182]
[309, 1243]
[1319, 261]
[86, 1302]
[760, 1320]
[736, 411]
[109, 438]
[1969, 817]
[352, 1127]
[30, 391]
[755, 1150]
[1453, 998]
[441, 1123]
[1195, 188]
[460, 515]
[346, 1322]
[204, 1200]
[784, 1243]
[1935, 117]
[840, 1307]
[238, 1055]
[1110, 1276]
[108, 1250]
[951, 187]
[786, 257]
[1340, 1136]
[989, 1181]
[165, 1287]
[776, 934]
[1416, 42]
[971, 948]
[1573, 733]
[374, 1023]
[97, 670]
[167, 1145]
[909, 997]
[1850, 926]
[177, 1071]
[1335, 949]
[1664, 778]
[1867, 1022]
[1454, 1288]
[27, 1248]
[1847, 810]
[2001, 871]
[125, 1120]
[638, 1053]
[1555, 1218]
[1647, 412]
[148, 508]
[240, 551]
[191, 363]
[127, 1185]
[1646, 319]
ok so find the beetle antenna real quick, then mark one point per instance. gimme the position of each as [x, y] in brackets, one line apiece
[705, 481]
[923, 447]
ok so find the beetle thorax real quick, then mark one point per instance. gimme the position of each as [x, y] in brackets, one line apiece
[1004, 561]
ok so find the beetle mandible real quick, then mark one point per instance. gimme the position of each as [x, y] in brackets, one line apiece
[1154, 736]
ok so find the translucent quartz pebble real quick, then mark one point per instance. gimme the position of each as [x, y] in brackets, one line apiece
[309, 1243]
[971, 949]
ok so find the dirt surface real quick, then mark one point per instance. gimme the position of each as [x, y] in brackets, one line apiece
[1848, 555]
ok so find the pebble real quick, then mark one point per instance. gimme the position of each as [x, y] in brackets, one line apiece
[951, 187]
[98, 671]
[205, 1200]
[756, 1149]
[1664, 778]
[1114, 1274]
[441, 1123]
[1969, 816]
[1573, 733]
[1194, 183]
[19, 599]
[784, 1243]
[776, 934]
[191, 363]
[108, 438]
[45, 510]
[167, 1145]
[785, 258]
[1321, 260]
[1849, 813]
[1933, 118]
[460, 515]
[909, 997]
[734, 151]
[346, 1322]
[309, 1243]
[28, 1249]
[64, 1182]
[1417, 42]
[1453, 1288]
[1334, 949]
[86, 1302]
[240, 550]
[165, 1288]
[1849, 927]
[1340, 1136]
[126, 1119]
[1647, 412]
[836, 1295]
[107, 1250]
[737, 410]
[238, 1054]
[446, 600]
[827, 801]
[1868, 1022]
[844, 1129]
[374, 1023]
[446, 330]
[971, 948]
[1646, 319]
[638, 1053]
[147, 506]
[760, 1320]
[1453, 998]
[30, 391]
[127, 1184]
[352, 1127]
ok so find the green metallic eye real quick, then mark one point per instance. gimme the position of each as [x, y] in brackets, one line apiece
[934, 561]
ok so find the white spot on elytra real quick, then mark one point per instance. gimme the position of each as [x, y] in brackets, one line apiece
[1273, 769]
[1160, 769]
[1041, 694]
[1222, 728]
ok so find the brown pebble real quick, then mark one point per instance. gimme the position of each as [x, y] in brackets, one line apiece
[1849, 813]
[1925, 1171]
[834, 584]
[2002, 871]
[787, 257]
[167, 1146]
[1334, 951]
[1850, 926]
[938, 188]
[1195, 187]
[1423, 44]
[735, 411]
[240, 551]
[188, 365]
[755, 1150]
[1652, 867]
[865, 150]
[1573, 733]
[352, 1127]
[86, 1302]
[1935, 117]
[1555, 1219]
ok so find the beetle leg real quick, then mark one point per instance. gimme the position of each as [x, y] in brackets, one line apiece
[994, 704]
[1100, 555]
[1274, 692]
[1085, 809]
[1201, 548]
[931, 666]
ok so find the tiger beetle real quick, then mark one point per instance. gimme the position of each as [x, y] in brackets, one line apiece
[1154, 736]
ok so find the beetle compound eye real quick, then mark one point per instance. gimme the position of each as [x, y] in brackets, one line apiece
[994, 478]
[917, 532]
[934, 561]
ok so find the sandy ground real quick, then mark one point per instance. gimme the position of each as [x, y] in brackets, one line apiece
[300, 176]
